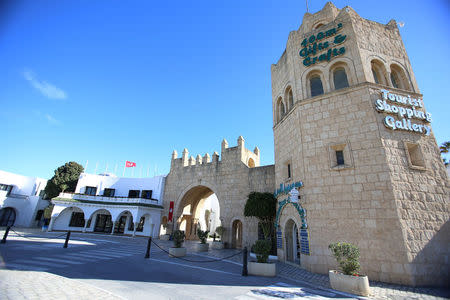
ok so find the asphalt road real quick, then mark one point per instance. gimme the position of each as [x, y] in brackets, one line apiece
[117, 264]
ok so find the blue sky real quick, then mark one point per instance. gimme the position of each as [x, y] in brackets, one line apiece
[110, 81]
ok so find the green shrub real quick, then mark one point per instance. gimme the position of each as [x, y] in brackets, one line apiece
[262, 250]
[347, 256]
[178, 238]
[202, 235]
[220, 230]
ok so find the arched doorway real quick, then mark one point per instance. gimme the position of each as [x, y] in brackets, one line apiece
[198, 209]
[7, 216]
[121, 222]
[292, 242]
[236, 239]
[103, 222]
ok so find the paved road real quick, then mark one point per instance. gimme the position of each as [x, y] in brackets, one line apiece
[103, 266]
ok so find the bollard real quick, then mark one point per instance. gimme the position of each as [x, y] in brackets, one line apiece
[214, 237]
[244, 265]
[67, 239]
[6, 234]
[147, 254]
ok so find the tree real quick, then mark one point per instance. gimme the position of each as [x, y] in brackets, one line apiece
[263, 207]
[64, 180]
[445, 148]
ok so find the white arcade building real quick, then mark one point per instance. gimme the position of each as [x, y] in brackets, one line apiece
[108, 204]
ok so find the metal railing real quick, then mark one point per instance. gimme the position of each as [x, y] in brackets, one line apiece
[76, 196]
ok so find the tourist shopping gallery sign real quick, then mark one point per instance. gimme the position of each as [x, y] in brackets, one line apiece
[403, 113]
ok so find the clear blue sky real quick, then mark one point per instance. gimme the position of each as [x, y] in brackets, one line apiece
[109, 81]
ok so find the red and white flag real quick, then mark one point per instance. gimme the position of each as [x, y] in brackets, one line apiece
[130, 164]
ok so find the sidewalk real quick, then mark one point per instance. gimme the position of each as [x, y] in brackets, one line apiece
[37, 285]
[379, 290]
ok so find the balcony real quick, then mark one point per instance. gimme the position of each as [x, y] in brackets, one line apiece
[116, 200]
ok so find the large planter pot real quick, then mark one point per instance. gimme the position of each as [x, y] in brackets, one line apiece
[177, 252]
[262, 269]
[358, 285]
[201, 247]
[216, 245]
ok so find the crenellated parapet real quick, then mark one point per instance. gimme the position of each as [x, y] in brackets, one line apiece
[229, 155]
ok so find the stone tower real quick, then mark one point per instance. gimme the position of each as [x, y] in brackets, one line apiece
[352, 135]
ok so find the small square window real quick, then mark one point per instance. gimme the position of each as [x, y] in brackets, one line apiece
[91, 190]
[340, 157]
[109, 192]
[133, 193]
[415, 156]
[147, 194]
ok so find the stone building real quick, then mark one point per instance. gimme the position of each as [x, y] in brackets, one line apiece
[231, 178]
[353, 137]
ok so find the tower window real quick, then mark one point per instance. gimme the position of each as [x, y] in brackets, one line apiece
[394, 80]
[340, 157]
[375, 76]
[316, 86]
[291, 99]
[288, 170]
[340, 79]
[415, 156]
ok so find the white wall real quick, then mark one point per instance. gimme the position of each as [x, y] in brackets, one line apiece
[24, 197]
[23, 185]
[122, 184]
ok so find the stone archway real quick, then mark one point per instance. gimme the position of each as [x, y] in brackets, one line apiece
[190, 211]
[236, 231]
[292, 242]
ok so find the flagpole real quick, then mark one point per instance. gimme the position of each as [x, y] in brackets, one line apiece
[96, 166]
[123, 174]
[141, 171]
[86, 165]
[106, 170]
[148, 169]
[132, 173]
[115, 170]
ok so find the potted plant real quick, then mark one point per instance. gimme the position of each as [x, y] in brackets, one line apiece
[262, 267]
[219, 244]
[177, 250]
[348, 279]
[202, 235]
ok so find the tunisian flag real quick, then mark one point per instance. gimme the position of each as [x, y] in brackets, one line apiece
[130, 164]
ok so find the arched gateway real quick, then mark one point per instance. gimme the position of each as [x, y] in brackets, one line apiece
[192, 182]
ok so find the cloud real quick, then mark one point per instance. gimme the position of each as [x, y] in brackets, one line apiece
[47, 89]
[48, 117]
[52, 120]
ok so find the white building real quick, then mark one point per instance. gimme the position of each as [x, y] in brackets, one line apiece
[21, 203]
[110, 204]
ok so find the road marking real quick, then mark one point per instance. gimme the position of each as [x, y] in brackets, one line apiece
[64, 261]
[24, 267]
[102, 253]
[194, 267]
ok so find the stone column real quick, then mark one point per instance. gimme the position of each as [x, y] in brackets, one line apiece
[50, 226]
[85, 225]
[113, 226]
[134, 229]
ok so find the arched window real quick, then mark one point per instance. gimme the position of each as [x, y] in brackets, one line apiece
[378, 72]
[318, 25]
[281, 111]
[340, 78]
[398, 78]
[394, 80]
[291, 99]
[251, 163]
[315, 84]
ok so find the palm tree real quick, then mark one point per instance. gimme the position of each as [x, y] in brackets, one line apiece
[445, 148]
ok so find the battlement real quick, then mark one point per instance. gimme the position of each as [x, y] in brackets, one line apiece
[228, 155]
